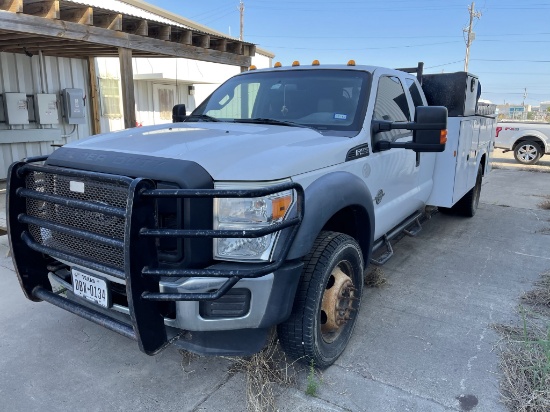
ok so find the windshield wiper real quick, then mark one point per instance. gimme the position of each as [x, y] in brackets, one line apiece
[265, 120]
[203, 117]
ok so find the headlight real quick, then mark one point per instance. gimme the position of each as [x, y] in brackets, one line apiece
[249, 214]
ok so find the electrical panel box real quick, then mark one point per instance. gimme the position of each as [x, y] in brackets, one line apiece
[46, 109]
[17, 108]
[73, 105]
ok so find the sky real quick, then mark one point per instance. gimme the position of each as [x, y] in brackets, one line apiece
[510, 53]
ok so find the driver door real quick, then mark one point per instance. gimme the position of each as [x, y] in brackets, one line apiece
[393, 178]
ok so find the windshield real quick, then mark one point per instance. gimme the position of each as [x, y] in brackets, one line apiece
[326, 100]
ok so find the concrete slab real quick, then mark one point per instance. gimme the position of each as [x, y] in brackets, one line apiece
[422, 343]
[516, 188]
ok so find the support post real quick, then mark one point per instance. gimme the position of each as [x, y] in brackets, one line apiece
[94, 96]
[127, 86]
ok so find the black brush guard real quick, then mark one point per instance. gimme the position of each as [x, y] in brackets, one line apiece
[141, 267]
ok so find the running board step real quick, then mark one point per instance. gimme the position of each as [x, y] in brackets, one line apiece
[386, 255]
[410, 227]
[413, 231]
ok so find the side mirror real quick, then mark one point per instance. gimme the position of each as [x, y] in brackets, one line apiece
[429, 130]
[434, 132]
[179, 113]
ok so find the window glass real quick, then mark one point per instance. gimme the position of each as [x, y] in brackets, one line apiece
[332, 101]
[391, 105]
[109, 90]
[236, 103]
[415, 93]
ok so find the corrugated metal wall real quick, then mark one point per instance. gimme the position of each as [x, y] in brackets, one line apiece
[20, 73]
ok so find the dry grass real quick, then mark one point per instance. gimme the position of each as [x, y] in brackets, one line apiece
[545, 204]
[539, 298]
[263, 371]
[525, 354]
[374, 277]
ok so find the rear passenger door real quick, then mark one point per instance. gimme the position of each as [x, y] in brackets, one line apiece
[394, 176]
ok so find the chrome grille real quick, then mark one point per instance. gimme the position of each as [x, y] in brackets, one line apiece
[112, 194]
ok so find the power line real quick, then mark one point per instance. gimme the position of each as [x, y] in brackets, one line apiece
[360, 48]
[512, 60]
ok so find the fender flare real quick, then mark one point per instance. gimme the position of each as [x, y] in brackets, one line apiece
[526, 134]
[324, 198]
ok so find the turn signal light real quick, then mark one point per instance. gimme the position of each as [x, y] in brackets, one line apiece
[253, 67]
[351, 63]
[295, 63]
[278, 64]
[280, 206]
[443, 137]
[315, 63]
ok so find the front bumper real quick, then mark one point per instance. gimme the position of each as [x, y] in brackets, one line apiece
[141, 274]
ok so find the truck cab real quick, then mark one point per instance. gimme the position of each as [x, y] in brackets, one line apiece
[260, 210]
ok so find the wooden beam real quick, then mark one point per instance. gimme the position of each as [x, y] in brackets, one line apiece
[183, 37]
[250, 50]
[127, 87]
[201, 40]
[138, 27]
[109, 21]
[81, 15]
[15, 6]
[160, 32]
[219, 44]
[235, 47]
[94, 97]
[90, 34]
[48, 9]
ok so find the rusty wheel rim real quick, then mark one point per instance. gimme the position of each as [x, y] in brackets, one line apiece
[337, 306]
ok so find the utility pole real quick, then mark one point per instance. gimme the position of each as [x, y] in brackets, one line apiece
[241, 11]
[524, 114]
[471, 34]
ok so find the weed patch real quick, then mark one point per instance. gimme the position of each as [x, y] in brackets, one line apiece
[374, 277]
[263, 371]
[312, 381]
[525, 353]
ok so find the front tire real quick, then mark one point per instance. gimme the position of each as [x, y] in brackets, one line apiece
[327, 301]
[527, 152]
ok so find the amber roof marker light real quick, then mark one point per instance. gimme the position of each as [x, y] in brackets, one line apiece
[277, 65]
[295, 63]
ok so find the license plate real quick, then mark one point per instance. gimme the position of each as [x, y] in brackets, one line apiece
[91, 288]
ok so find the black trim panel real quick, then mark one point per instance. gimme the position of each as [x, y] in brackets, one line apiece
[324, 198]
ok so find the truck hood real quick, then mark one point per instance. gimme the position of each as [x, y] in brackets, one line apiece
[229, 151]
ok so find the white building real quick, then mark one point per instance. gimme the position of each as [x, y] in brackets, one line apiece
[161, 83]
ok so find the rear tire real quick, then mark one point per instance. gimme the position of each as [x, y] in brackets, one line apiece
[527, 152]
[467, 206]
[327, 301]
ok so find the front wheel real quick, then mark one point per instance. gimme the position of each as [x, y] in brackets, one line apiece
[327, 301]
[527, 152]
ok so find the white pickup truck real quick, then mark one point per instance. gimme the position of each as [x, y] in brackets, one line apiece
[529, 140]
[260, 210]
